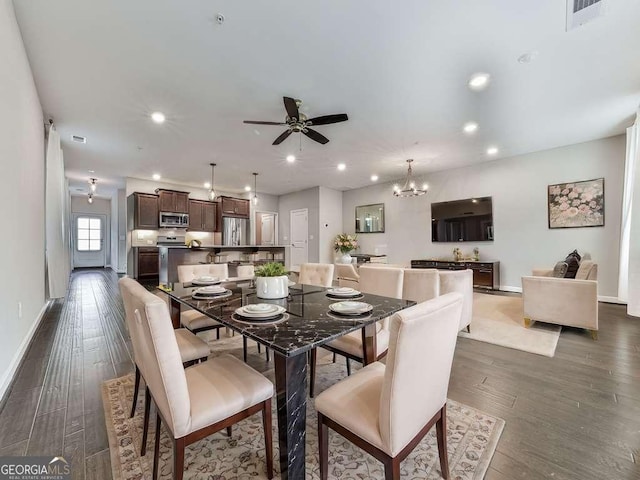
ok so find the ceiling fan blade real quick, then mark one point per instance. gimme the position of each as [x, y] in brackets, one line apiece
[291, 107]
[257, 122]
[327, 119]
[282, 137]
[313, 135]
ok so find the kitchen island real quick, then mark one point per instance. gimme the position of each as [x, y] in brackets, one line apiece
[170, 256]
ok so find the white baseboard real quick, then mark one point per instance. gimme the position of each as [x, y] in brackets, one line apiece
[601, 298]
[7, 378]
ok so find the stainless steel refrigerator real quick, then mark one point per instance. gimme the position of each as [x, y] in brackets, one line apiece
[235, 231]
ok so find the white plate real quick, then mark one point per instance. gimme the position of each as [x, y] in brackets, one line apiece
[260, 308]
[350, 307]
[343, 292]
[206, 280]
[211, 296]
[276, 311]
[212, 289]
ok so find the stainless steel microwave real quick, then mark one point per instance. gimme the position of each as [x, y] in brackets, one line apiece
[174, 220]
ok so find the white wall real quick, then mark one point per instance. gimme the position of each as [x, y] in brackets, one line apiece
[330, 222]
[309, 199]
[100, 206]
[518, 186]
[22, 192]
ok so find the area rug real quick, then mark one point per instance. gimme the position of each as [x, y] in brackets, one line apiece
[498, 319]
[472, 439]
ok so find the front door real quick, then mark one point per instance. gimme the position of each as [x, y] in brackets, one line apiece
[88, 240]
[299, 238]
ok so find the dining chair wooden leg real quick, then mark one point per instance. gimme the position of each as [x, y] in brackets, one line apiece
[348, 367]
[334, 357]
[392, 469]
[156, 447]
[323, 447]
[259, 348]
[178, 458]
[244, 349]
[266, 351]
[145, 426]
[136, 388]
[312, 372]
[441, 433]
[229, 431]
[268, 441]
[217, 334]
[469, 328]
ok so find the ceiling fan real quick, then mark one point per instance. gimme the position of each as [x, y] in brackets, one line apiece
[298, 122]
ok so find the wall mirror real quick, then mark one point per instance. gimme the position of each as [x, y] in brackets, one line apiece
[370, 218]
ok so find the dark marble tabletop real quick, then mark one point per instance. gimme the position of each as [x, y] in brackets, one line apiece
[310, 323]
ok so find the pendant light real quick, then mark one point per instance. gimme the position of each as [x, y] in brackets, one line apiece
[212, 192]
[90, 199]
[255, 193]
[93, 184]
[409, 188]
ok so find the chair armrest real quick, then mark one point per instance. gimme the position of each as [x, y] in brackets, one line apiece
[563, 301]
[542, 272]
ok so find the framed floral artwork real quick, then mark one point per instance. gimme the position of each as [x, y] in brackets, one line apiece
[576, 204]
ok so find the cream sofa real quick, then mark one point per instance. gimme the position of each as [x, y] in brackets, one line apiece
[563, 301]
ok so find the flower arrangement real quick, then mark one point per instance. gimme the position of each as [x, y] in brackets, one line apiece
[345, 243]
[476, 254]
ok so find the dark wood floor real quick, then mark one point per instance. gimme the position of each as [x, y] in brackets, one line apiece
[575, 416]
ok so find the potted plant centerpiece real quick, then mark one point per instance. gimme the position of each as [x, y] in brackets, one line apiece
[272, 281]
[344, 244]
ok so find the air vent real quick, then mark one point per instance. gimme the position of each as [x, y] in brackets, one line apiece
[79, 139]
[580, 12]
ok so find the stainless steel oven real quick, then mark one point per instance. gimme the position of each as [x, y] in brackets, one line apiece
[174, 220]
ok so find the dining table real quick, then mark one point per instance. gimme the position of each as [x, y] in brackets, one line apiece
[308, 322]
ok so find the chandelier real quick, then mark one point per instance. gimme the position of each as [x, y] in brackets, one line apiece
[409, 188]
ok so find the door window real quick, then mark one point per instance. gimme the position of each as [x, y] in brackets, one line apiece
[89, 234]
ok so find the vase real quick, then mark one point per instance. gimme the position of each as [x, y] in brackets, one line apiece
[344, 258]
[272, 287]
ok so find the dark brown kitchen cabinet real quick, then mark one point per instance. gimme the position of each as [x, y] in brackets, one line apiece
[234, 207]
[145, 213]
[202, 216]
[173, 201]
[147, 264]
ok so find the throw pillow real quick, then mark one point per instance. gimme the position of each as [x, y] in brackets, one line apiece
[560, 270]
[573, 262]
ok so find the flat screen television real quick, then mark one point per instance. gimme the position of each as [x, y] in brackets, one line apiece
[468, 220]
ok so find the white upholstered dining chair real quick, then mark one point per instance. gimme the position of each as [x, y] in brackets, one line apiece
[320, 274]
[347, 275]
[460, 281]
[387, 410]
[386, 282]
[420, 284]
[192, 349]
[192, 319]
[198, 401]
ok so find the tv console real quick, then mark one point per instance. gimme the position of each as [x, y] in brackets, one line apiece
[486, 274]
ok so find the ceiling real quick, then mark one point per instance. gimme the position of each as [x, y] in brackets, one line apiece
[399, 70]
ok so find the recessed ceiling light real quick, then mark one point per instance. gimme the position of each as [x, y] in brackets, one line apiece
[247, 188]
[374, 178]
[291, 158]
[492, 150]
[91, 171]
[158, 117]
[470, 127]
[341, 166]
[479, 81]
[156, 176]
[528, 57]
[207, 185]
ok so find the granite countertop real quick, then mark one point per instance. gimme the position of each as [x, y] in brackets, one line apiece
[309, 324]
